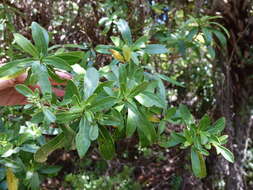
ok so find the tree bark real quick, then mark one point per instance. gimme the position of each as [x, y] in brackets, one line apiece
[234, 91]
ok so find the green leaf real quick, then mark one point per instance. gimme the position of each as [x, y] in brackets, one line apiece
[204, 123]
[138, 89]
[106, 144]
[207, 35]
[175, 139]
[23, 89]
[93, 133]
[144, 125]
[67, 116]
[185, 114]
[125, 31]
[82, 138]
[149, 99]
[71, 89]
[140, 42]
[132, 122]
[40, 38]
[14, 67]
[43, 78]
[91, 81]
[198, 163]
[104, 49]
[26, 45]
[70, 135]
[211, 52]
[203, 138]
[102, 104]
[122, 78]
[34, 181]
[170, 80]
[71, 57]
[218, 126]
[57, 63]
[127, 53]
[221, 37]
[193, 32]
[227, 154]
[49, 115]
[170, 112]
[44, 151]
[155, 49]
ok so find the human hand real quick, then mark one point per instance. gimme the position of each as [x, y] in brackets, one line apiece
[9, 96]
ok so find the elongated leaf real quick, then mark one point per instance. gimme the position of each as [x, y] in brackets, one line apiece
[227, 154]
[192, 33]
[103, 104]
[40, 38]
[208, 36]
[132, 122]
[91, 81]
[125, 31]
[155, 49]
[106, 144]
[93, 133]
[70, 90]
[57, 63]
[170, 112]
[43, 78]
[14, 67]
[26, 45]
[149, 99]
[174, 140]
[23, 89]
[221, 37]
[67, 116]
[12, 180]
[138, 89]
[185, 114]
[103, 49]
[198, 163]
[117, 55]
[35, 181]
[170, 80]
[49, 115]
[144, 125]
[204, 123]
[218, 126]
[127, 53]
[44, 151]
[122, 78]
[82, 138]
[71, 57]
[140, 42]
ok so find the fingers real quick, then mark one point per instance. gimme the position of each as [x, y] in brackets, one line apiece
[58, 92]
[10, 97]
[12, 82]
[64, 75]
[6, 84]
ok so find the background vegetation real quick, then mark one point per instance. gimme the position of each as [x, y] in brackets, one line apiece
[208, 67]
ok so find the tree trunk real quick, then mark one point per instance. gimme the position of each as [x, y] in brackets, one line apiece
[234, 91]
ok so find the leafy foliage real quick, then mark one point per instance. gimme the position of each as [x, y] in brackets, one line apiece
[105, 104]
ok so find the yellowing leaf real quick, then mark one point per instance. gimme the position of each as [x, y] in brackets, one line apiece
[154, 118]
[12, 181]
[127, 53]
[117, 55]
[8, 77]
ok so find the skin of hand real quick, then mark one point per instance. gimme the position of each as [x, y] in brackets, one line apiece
[9, 96]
